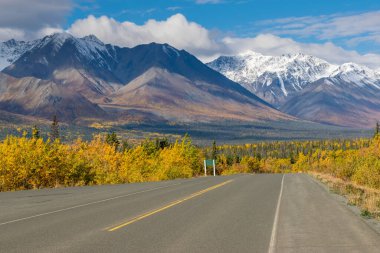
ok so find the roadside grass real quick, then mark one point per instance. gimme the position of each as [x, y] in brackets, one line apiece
[365, 198]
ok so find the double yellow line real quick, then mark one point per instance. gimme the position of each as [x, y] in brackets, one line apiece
[145, 215]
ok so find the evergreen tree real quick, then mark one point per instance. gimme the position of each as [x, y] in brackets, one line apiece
[162, 143]
[112, 140]
[377, 129]
[36, 132]
[125, 146]
[54, 129]
[214, 151]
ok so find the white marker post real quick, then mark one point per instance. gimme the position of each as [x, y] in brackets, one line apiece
[213, 165]
[209, 163]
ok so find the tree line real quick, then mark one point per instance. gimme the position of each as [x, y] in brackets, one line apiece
[30, 162]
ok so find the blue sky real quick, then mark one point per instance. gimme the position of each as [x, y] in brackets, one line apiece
[241, 18]
[335, 30]
[225, 15]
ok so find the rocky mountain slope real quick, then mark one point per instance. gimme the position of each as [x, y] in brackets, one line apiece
[12, 49]
[308, 87]
[273, 78]
[83, 78]
[349, 97]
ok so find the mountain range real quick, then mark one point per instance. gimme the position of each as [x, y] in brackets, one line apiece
[83, 79]
[308, 87]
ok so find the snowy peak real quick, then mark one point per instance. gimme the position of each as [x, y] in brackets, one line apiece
[308, 87]
[273, 78]
[351, 67]
[59, 38]
[55, 41]
[11, 43]
[357, 75]
[252, 64]
[88, 46]
[354, 69]
[12, 49]
[170, 51]
[276, 78]
[61, 51]
[92, 39]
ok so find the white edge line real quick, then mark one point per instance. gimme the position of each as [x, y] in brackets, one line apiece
[272, 244]
[87, 204]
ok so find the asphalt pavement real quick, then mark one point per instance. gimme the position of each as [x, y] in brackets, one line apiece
[240, 213]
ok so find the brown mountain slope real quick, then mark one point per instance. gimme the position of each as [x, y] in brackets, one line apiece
[175, 97]
[81, 78]
[334, 101]
[32, 96]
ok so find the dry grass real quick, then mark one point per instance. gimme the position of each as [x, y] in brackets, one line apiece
[367, 199]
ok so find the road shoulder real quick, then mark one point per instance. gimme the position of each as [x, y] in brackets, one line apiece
[313, 221]
[373, 223]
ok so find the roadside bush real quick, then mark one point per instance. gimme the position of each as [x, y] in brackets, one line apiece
[35, 163]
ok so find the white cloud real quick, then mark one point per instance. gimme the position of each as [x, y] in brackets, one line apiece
[183, 34]
[351, 25]
[176, 30]
[11, 33]
[205, 44]
[326, 26]
[47, 31]
[20, 34]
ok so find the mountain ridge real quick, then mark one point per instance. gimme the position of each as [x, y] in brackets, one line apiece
[98, 73]
[273, 78]
[291, 82]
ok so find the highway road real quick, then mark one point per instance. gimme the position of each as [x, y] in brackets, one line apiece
[241, 213]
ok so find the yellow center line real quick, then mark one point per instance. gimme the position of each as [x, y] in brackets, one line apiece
[145, 215]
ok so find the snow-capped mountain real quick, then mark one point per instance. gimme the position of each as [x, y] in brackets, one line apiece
[308, 87]
[12, 49]
[357, 75]
[60, 50]
[277, 78]
[88, 48]
[83, 78]
[273, 78]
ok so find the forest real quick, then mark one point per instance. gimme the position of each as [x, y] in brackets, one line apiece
[29, 161]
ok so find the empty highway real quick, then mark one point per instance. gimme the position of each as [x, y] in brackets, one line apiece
[242, 213]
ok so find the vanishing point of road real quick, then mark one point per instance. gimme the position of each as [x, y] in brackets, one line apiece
[242, 213]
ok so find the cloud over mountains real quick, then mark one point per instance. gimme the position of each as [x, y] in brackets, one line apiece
[45, 17]
[22, 19]
[182, 33]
